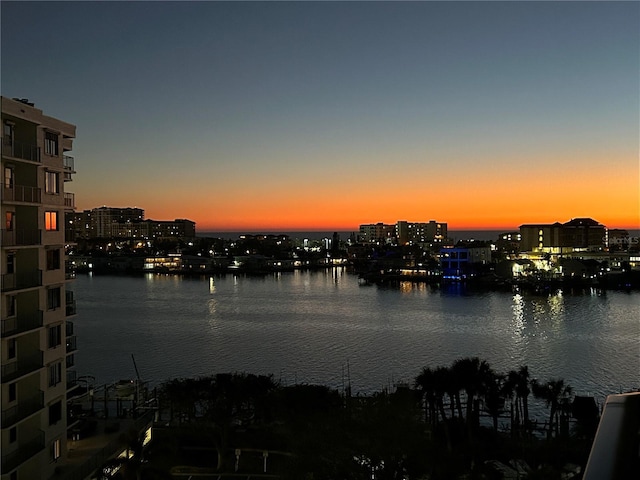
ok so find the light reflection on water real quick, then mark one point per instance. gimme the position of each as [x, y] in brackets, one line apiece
[308, 326]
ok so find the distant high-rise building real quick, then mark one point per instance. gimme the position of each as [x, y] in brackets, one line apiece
[125, 223]
[420, 232]
[578, 234]
[404, 233]
[37, 338]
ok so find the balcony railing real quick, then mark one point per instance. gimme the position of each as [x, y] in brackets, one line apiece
[22, 150]
[69, 168]
[71, 362]
[71, 308]
[21, 193]
[72, 378]
[23, 366]
[68, 328]
[21, 237]
[21, 280]
[23, 409]
[69, 200]
[28, 449]
[71, 344]
[21, 323]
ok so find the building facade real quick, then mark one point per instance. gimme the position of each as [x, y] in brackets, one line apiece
[576, 235]
[37, 334]
[404, 233]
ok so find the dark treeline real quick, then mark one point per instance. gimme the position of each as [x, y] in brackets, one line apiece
[456, 421]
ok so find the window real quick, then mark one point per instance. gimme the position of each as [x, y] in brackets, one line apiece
[55, 336]
[55, 374]
[52, 182]
[13, 435]
[51, 221]
[8, 219]
[11, 305]
[56, 448]
[8, 134]
[8, 177]
[12, 392]
[11, 348]
[51, 143]
[55, 412]
[53, 298]
[11, 262]
[53, 259]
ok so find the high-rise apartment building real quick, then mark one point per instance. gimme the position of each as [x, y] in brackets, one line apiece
[37, 336]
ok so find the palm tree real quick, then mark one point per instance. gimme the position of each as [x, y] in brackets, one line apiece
[555, 393]
[518, 383]
[425, 382]
[494, 396]
[472, 373]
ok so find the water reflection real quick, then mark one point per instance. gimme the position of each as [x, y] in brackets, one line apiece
[312, 323]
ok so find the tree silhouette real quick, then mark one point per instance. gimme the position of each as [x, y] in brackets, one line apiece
[556, 394]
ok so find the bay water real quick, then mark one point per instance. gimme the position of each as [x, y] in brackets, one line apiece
[323, 327]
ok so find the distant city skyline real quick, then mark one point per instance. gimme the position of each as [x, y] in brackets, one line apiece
[293, 116]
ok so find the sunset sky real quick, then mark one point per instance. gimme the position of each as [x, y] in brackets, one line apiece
[327, 115]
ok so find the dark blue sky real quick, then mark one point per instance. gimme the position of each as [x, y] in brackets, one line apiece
[357, 111]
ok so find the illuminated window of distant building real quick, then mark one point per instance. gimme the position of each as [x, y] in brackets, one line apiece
[51, 143]
[55, 374]
[53, 259]
[56, 449]
[52, 182]
[8, 218]
[51, 221]
[53, 298]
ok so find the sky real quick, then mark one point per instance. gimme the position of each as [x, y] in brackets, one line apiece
[328, 115]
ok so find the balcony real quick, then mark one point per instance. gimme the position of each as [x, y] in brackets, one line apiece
[68, 328]
[21, 150]
[21, 324]
[70, 303]
[25, 408]
[28, 449]
[21, 237]
[23, 366]
[21, 193]
[72, 345]
[69, 167]
[21, 280]
[72, 379]
[71, 362]
[70, 200]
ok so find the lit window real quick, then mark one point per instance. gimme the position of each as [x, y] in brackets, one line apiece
[51, 143]
[9, 216]
[8, 177]
[51, 221]
[52, 182]
[56, 449]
